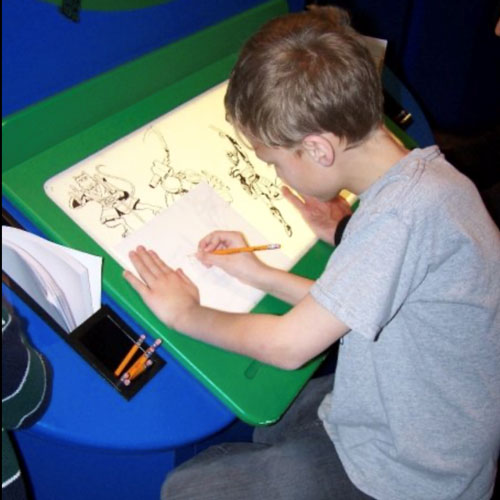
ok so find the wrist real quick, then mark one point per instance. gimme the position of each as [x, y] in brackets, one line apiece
[185, 319]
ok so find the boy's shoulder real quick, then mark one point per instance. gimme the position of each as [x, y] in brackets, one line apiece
[422, 182]
[432, 201]
[418, 167]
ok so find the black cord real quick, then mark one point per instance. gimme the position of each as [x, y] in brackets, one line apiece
[339, 231]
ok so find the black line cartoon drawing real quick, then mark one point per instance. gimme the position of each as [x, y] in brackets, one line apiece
[175, 183]
[252, 183]
[119, 206]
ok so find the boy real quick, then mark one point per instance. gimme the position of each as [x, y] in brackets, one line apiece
[412, 292]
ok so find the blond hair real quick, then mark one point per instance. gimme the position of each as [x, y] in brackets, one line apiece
[305, 73]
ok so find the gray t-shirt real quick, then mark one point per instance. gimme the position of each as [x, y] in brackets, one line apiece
[415, 410]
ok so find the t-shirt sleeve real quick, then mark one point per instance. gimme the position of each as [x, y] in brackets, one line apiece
[364, 283]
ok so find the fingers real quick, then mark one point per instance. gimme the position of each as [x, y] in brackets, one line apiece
[148, 264]
[221, 239]
[208, 259]
[292, 198]
[339, 207]
[162, 266]
[182, 275]
[144, 264]
[211, 241]
[135, 283]
[232, 264]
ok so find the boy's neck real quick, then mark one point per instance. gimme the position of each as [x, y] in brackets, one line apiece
[364, 164]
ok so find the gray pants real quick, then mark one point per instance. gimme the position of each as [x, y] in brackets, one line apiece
[293, 459]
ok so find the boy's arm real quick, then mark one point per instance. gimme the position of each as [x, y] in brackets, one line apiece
[251, 270]
[286, 286]
[286, 341]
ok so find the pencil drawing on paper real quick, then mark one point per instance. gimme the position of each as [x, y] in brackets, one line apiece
[123, 201]
[174, 182]
[119, 207]
[252, 183]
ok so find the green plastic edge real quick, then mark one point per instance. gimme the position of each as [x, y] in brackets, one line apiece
[107, 110]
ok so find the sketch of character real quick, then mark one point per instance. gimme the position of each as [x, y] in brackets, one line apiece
[218, 185]
[178, 182]
[119, 206]
[252, 183]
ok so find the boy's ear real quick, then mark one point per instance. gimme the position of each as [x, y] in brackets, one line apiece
[320, 149]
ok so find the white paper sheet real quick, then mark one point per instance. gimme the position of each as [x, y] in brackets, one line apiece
[174, 235]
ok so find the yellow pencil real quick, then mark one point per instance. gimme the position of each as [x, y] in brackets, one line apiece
[227, 251]
[138, 364]
[140, 370]
[129, 355]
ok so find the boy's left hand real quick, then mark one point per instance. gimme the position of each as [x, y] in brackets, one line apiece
[322, 216]
[169, 293]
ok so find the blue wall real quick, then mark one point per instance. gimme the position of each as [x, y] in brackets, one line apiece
[444, 51]
[452, 62]
[44, 53]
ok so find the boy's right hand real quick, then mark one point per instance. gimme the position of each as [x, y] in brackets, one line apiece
[245, 266]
